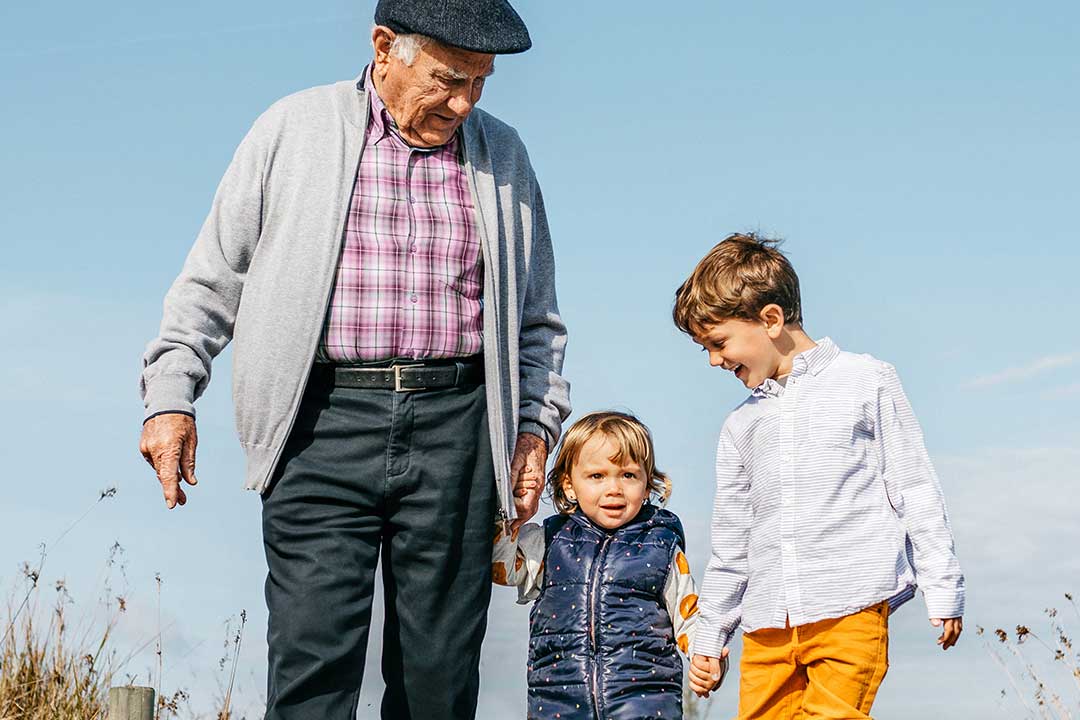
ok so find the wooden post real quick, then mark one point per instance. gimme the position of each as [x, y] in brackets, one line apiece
[131, 703]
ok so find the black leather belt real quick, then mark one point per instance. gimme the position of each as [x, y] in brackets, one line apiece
[405, 376]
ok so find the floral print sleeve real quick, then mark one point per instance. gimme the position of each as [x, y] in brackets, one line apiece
[680, 598]
[518, 560]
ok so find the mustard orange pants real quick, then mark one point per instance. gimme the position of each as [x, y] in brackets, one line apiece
[828, 669]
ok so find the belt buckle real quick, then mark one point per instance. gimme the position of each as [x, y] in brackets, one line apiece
[397, 378]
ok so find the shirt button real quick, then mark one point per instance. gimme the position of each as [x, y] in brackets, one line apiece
[412, 248]
[413, 298]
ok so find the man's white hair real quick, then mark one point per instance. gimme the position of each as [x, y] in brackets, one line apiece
[407, 46]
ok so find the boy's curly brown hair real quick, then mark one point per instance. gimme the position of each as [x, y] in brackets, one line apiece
[736, 279]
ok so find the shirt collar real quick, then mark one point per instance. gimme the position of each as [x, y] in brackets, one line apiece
[811, 361]
[379, 120]
[769, 388]
[381, 124]
[815, 359]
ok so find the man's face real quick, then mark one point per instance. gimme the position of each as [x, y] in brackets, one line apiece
[744, 347]
[430, 99]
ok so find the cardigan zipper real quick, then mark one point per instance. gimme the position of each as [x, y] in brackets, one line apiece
[491, 304]
[295, 408]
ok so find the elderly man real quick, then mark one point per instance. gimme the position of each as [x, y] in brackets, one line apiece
[379, 253]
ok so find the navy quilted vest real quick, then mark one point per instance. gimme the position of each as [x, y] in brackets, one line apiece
[601, 644]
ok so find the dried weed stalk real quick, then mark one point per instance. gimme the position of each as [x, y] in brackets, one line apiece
[1026, 678]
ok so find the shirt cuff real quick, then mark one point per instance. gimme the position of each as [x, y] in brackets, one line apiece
[943, 604]
[709, 641]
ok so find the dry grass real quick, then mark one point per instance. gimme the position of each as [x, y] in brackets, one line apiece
[50, 670]
[45, 674]
[1030, 672]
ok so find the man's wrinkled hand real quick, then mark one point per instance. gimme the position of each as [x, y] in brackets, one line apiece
[168, 443]
[707, 673]
[527, 476]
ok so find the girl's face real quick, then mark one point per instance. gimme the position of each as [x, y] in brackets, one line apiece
[610, 494]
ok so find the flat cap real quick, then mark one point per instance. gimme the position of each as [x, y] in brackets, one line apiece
[486, 26]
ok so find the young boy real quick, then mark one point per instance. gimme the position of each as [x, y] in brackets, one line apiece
[827, 510]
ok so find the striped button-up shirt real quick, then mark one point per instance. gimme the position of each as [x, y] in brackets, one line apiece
[826, 503]
[410, 276]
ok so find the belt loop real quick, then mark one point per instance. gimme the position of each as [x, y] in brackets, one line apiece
[458, 376]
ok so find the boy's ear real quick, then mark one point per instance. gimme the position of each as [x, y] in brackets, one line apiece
[772, 315]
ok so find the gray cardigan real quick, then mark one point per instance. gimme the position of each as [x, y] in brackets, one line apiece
[262, 268]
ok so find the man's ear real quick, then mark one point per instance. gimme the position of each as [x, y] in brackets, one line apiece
[382, 38]
[772, 316]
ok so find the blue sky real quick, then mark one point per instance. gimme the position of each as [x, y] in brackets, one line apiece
[919, 158]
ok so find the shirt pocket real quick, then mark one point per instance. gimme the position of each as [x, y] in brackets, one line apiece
[835, 425]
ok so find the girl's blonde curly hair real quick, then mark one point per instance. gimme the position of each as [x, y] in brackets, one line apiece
[631, 437]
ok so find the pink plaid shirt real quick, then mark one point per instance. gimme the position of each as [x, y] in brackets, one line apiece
[409, 280]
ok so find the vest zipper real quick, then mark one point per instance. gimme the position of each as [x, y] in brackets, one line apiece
[594, 586]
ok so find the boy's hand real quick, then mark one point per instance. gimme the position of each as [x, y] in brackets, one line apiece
[706, 673]
[950, 633]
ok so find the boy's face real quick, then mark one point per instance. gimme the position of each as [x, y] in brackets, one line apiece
[744, 347]
[610, 494]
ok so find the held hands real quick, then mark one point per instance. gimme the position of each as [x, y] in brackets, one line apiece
[951, 629]
[527, 476]
[168, 444]
[707, 673]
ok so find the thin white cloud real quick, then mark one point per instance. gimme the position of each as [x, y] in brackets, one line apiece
[1026, 372]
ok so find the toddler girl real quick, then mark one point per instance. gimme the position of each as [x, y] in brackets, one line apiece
[613, 591]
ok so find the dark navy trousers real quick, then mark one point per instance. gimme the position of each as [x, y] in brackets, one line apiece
[367, 475]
